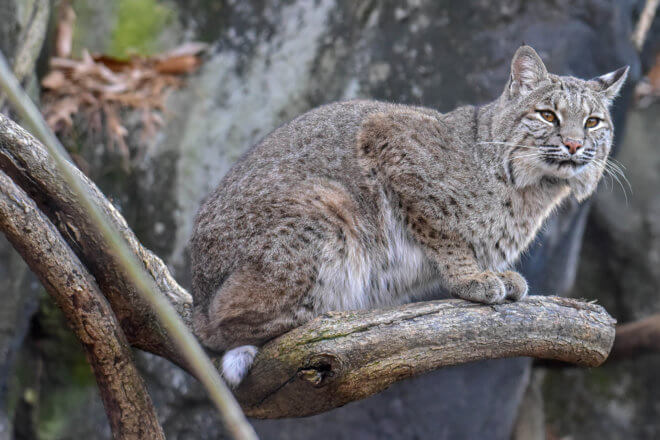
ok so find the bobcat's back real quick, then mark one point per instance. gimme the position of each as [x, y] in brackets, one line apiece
[300, 197]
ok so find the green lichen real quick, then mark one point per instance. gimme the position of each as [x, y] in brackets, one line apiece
[125, 27]
[139, 26]
[324, 335]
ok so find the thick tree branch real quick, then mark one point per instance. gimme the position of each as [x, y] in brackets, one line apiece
[342, 357]
[128, 405]
[334, 359]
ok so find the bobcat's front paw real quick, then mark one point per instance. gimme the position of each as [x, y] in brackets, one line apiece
[486, 287]
[515, 284]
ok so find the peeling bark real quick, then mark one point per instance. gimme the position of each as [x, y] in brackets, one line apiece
[125, 398]
[334, 359]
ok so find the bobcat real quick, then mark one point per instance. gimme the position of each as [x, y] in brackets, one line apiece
[364, 204]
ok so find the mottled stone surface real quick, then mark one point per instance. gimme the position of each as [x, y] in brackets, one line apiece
[19, 292]
[10, 19]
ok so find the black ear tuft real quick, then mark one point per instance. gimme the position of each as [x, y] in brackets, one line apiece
[610, 84]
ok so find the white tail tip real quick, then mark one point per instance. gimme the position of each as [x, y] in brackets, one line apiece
[237, 362]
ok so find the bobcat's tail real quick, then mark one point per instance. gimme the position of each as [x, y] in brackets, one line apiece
[236, 363]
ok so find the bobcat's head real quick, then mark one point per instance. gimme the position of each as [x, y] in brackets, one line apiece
[556, 127]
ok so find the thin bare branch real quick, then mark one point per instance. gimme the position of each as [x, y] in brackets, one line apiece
[644, 23]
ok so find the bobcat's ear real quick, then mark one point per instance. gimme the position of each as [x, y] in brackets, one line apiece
[527, 71]
[610, 84]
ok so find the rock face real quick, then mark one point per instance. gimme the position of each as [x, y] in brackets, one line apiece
[274, 60]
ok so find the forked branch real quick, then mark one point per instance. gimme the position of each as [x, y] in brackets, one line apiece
[336, 358]
[26, 161]
[124, 394]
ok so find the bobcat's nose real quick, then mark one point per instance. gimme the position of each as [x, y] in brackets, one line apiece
[572, 145]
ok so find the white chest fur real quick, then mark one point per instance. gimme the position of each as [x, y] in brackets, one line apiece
[367, 278]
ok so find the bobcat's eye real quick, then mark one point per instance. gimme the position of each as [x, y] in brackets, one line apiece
[549, 116]
[591, 122]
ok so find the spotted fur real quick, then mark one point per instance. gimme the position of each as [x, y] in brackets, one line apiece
[363, 204]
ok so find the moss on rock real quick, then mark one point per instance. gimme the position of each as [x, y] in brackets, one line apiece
[140, 24]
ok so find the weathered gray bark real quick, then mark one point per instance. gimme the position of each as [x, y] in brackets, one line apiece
[342, 357]
[127, 403]
[356, 353]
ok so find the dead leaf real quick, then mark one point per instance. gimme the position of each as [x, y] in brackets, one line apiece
[62, 116]
[178, 65]
[647, 91]
[99, 87]
[189, 48]
[112, 63]
[54, 80]
[654, 74]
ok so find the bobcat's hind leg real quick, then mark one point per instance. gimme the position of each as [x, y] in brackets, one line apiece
[250, 308]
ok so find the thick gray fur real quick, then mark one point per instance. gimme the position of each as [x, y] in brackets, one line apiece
[364, 204]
